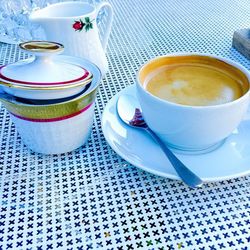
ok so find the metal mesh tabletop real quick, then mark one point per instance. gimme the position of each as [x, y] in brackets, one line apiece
[91, 198]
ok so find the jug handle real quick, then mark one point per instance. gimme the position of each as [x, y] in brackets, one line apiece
[108, 21]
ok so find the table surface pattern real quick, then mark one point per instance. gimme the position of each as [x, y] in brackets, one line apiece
[91, 198]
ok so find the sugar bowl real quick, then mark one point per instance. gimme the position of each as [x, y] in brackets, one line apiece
[50, 100]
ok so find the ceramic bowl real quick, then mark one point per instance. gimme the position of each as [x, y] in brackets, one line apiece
[188, 127]
[59, 127]
[46, 75]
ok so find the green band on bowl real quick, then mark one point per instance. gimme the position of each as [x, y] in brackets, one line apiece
[50, 111]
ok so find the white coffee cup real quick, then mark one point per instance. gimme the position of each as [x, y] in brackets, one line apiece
[188, 127]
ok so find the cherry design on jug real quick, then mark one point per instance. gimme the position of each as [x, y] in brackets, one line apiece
[79, 25]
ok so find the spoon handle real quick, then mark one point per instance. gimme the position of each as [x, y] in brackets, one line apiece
[188, 177]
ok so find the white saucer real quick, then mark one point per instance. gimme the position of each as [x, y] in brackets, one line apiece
[230, 160]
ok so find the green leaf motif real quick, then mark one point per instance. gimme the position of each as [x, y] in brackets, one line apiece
[87, 19]
[87, 25]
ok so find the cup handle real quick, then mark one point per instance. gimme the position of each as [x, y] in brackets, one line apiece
[108, 22]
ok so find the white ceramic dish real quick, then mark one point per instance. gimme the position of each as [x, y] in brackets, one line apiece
[44, 76]
[55, 128]
[56, 137]
[230, 160]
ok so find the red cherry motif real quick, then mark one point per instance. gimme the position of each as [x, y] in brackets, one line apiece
[78, 25]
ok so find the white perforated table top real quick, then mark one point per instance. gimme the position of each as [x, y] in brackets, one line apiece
[91, 198]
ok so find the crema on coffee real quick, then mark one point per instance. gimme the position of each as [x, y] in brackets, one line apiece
[195, 83]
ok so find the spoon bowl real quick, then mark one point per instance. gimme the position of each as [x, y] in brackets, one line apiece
[128, 110]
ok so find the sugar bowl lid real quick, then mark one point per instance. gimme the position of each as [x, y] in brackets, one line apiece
[44, 69]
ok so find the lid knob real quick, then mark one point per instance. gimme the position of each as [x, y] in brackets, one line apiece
[42, 47]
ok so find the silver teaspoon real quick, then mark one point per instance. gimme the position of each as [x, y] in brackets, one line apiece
[130, 113]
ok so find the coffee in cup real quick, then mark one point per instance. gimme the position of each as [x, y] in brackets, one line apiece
[193, 101]
[195, 82]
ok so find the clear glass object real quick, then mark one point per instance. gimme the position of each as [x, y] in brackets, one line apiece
[15, 26]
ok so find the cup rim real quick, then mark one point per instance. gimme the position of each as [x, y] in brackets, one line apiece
[179, 54]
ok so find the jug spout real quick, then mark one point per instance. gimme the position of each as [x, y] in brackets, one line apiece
[48, 23]
[38, 17]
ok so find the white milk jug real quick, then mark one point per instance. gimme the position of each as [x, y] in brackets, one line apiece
[73, 24]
